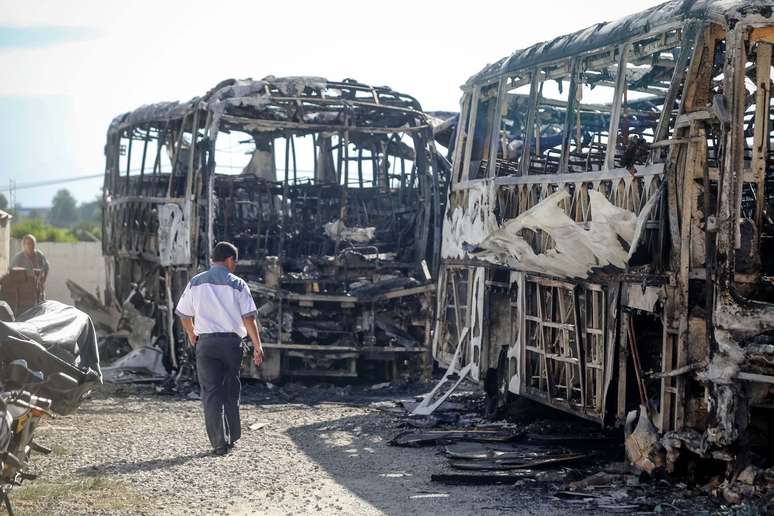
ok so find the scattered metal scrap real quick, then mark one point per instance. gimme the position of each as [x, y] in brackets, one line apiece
[517, 462]
[491, 478]
[476, 451]
[433, 437]
[139, 365]
[125, 337]
[504, 462]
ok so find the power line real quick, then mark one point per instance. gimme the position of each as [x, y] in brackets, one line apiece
[38, 184]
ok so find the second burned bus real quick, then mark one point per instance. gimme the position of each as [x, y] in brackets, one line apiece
[607, 223]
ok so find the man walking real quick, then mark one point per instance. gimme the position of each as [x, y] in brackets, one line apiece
[217, 312]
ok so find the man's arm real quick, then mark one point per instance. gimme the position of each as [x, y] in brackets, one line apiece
[44, 266]
[249, 313]
[187, 323]
[252, 330]
[185, 311]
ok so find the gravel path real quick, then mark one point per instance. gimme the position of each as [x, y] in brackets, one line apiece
[148, 454]
[305, 451]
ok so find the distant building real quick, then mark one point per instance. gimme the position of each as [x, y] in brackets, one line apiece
[5, 241]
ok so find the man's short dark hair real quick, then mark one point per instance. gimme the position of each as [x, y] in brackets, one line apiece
[224, 250]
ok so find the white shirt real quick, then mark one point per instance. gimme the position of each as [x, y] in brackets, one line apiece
[217, 301]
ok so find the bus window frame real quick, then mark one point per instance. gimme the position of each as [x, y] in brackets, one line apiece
[468, 147]
[574, 66]
[494, 137]
[461, 139]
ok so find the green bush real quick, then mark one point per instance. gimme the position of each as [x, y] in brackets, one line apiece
[42, 231]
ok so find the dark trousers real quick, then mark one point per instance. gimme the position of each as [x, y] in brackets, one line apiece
[218, 357]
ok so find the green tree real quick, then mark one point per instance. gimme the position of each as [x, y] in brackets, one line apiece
[64, 211]
[91, 211]
[3, 203]
[42, 231]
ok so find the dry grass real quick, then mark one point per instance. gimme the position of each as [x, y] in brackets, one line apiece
[95, 494]
[58, 451]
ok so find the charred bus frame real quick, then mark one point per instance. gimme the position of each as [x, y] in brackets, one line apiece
[339, 250]
[606, 226]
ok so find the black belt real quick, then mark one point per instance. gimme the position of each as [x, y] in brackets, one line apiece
[220, 334]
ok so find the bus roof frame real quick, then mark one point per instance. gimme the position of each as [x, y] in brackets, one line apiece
[635, 26]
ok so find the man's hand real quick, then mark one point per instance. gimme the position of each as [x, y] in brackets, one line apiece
[255, 337]
[192, 338]
[257, 355]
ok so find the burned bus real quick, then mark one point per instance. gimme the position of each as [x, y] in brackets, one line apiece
[607, 226]
[332, 192]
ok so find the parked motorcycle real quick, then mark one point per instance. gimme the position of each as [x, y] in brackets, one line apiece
[48, 364]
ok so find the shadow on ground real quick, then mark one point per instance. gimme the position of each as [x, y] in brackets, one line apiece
[123, 467]
[355, 452]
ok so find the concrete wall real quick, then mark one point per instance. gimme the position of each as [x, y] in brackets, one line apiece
[81, 262]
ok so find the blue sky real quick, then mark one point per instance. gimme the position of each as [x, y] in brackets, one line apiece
[70, 66]
[42, 36]
[36, 145]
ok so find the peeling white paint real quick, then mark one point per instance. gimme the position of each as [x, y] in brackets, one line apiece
[476, 321]
[514, 349]
[645, 299]
[338, 231]
[469, 225]
[174, 235]
[577, 247]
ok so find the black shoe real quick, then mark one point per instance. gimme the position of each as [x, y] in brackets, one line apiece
[231, 445]
[220, 451]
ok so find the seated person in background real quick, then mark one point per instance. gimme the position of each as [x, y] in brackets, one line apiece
[30, 257]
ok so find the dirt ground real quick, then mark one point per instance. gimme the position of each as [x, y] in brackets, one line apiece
[324, 451]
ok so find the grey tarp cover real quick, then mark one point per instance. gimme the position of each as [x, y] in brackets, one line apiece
[63, 330]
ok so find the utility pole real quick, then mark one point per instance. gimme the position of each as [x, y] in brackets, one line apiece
[12, 196]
